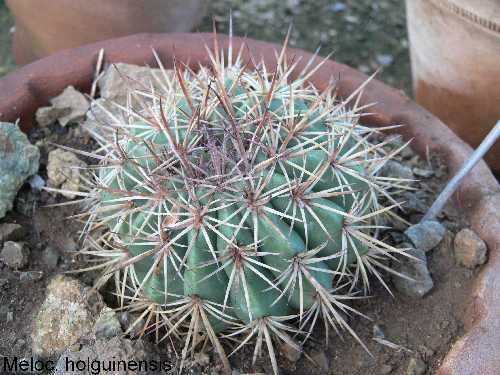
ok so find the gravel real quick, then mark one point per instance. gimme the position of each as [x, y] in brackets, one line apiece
[470, 250]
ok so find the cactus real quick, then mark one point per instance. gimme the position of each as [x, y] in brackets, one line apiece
[237, 203]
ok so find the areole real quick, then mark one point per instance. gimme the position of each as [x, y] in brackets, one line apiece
[30, 87]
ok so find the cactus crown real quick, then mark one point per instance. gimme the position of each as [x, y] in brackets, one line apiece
[236, 202]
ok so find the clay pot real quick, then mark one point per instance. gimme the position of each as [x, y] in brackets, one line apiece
[47, 26]
[455, 57]
[30, 87]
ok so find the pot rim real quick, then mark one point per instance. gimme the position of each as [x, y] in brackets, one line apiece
[31, 86]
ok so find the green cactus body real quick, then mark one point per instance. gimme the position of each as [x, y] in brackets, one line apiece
[243, 195]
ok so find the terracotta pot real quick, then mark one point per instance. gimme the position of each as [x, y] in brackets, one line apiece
[455, 56]
[47, 26]
[30, 87]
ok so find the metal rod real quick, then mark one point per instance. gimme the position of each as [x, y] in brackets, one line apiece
[453, 184]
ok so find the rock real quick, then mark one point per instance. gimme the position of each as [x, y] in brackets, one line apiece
[384, 59]
[6, 314]
[102, 112]
[4, 283]
[395, 169]
[424, 173]
[378, 331]
[416, 367]
[69, 106]
[50, 257]
[12, 232]
[470, 250]
[115, 350]
[15, 254]
[30, 275]
[36, 182]
[290, 352]
[119, 78]
[107, 324]
[337, 7]
[385, 369]
[201, 359]
[18, 160]
[426, 235]
[130, 324]
[421, 281]
[321, 360]
[64, 170]
[64, 317]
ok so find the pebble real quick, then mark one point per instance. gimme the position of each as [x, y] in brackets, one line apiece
[6, 314]
[426, 235]
[385, 369]
[425, 173]
[50, 257]
[395, 169]
[64, 317]
[12, 232]
[321, 360]
[70, 106]
[337, 7]
[36, 182]
[30, 276]
[112, 84]
[15, 254]
[421, 281]
[470, 250]
[416, 367]
[19, 159]
[290, 352]
[384, 59]
[64, 170]
[107, 324]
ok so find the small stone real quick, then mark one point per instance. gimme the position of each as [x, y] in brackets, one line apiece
[420, 282]
[12, 232]
[107, 324]
[470, 250]
[426, 235]
[64, 170]
[291, 352]
[50, 257]
[337, 7]
[36, 182]
[425, 173]
[201, 359]
[385, 369]
[321, 360]
[352, 19]
[63, 318]
[384, 59]
[378, 332]
[15, 254]
[416, 367]
[70, 106]
[394, 169]
[19, 159]
[4, 283]
[130, 324]
[30, 275]
[119, 78]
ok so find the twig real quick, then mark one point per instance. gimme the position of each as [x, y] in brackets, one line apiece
[452, 185]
